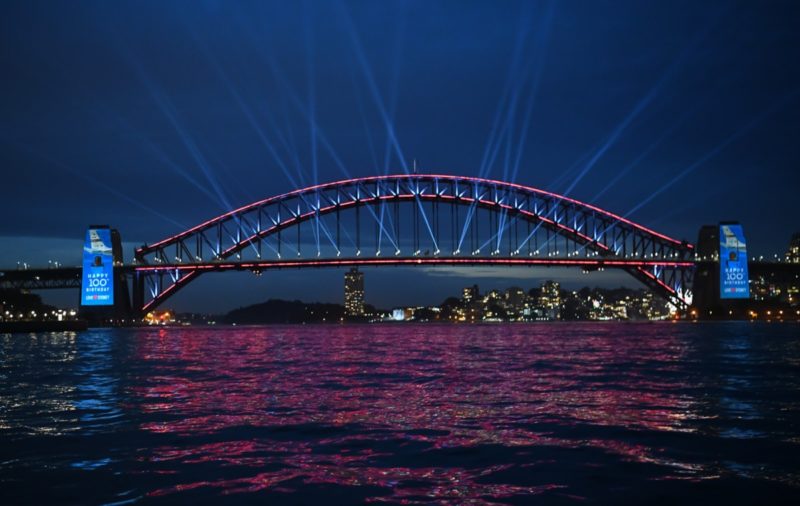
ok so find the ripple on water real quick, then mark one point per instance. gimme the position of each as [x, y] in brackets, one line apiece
[401, 414]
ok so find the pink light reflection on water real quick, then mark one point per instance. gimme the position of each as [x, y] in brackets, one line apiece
[353, 396]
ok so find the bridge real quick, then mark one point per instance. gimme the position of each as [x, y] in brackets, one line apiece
[403, 220]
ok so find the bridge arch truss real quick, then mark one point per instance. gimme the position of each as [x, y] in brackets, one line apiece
[414, 219]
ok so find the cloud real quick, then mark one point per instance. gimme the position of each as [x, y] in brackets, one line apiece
[566, 276]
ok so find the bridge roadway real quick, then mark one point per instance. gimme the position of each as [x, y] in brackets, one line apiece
[70, 277]
[40, 279]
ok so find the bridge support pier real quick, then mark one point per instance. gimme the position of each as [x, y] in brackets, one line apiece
[138, 295]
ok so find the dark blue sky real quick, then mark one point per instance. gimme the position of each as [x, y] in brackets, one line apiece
[151, 116]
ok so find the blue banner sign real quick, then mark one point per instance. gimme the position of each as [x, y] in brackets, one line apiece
[733, 279]
[97, 286]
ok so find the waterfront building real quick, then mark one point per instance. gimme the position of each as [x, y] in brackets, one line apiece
[159, 317]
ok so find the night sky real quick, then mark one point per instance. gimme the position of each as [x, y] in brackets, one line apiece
[154, 116]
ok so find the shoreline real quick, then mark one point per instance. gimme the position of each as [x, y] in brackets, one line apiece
[43, 326]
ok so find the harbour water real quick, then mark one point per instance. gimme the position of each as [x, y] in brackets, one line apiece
[612, 413]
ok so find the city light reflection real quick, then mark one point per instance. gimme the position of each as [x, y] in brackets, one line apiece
[326, 411]
[413, 414]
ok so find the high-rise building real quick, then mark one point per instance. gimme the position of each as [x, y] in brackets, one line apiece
[471, 307]
[793, 253]
[515, 299]
[354, 292]
[550, 299]
[470, 294]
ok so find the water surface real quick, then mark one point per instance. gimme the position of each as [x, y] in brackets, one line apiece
[403, 414]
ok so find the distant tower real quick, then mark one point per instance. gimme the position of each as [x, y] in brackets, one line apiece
[354, 292]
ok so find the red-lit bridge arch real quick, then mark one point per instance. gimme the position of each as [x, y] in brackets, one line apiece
[413, 219]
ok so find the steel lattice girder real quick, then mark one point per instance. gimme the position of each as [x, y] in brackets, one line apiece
[595, 230]
[41, 279]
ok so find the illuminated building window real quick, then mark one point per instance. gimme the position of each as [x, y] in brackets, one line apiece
[354, 292]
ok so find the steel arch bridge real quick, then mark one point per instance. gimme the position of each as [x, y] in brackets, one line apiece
[414, 219]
